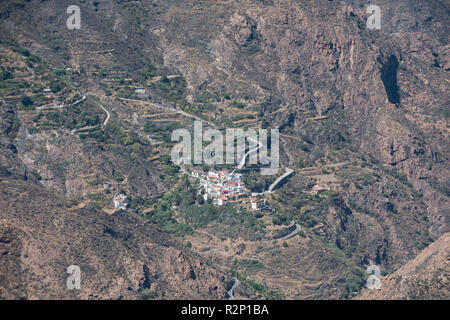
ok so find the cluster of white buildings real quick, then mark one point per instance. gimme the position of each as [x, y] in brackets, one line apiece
[222, 186]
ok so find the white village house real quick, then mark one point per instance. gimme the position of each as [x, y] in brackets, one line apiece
[221, 186]
[258, 204]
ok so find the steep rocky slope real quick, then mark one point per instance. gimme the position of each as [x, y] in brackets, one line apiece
[424, 277]
[120, 256]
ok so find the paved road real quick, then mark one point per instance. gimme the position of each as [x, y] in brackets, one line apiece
[242, 161]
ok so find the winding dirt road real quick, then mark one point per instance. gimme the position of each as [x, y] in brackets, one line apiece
[231, 291]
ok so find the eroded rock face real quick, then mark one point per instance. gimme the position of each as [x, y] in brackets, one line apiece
[384, 87]
[120, 256]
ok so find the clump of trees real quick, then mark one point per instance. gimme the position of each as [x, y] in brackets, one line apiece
[256, 182]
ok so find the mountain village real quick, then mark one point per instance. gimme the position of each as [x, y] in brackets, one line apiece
[224, 186]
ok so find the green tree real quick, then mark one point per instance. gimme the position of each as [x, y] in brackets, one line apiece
[27, 101]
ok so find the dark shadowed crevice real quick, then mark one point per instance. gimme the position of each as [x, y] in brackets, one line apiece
[389, 78]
